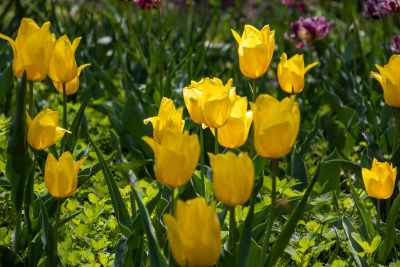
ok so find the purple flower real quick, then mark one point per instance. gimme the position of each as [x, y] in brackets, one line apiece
[395, 48]
[145, 4]
[378, 9]
[393, 5]
[310, 29]
[292, 4]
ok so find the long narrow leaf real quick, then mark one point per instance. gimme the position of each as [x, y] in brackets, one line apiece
[348, 229]
[48, 238]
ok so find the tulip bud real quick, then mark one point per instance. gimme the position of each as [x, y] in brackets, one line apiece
[176, 156]
[380, 180]
[61, 176]
[43, 131]
[255, 50]
[276, 125]
[72, 86]
[62, 64]
[389, 78]
[167, 117]
[209, 101]
[291, 73]
[32, 50]
[235, 132]
[191, 245]
[233, 177]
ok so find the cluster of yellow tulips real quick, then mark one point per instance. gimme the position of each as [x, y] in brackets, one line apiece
[38, 53]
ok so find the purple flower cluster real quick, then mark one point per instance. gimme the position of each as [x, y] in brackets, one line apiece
[310, 29]
[378, 9]
[395, 48]
[146, 4]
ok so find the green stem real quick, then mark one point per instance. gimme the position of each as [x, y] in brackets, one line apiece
[190, 43]
[251, 134]
[396, 115]
[385, 35]
[309, 52]
[149, 31]
[29, 208]
[17, 231]
[162, 49]
[274, 164]
[65, 122]
[378, 214]
[216, 145]
[31, 100]
[202, 163]
[232, 234]
[59, 202]
[172, 212]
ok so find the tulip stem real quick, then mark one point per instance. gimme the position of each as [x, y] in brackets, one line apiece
[31, 101]
[149, 32]
[162, 49]
[203, 190]
[190, 56]
[251, 134]
[396, 114]
[65, 123]
[173, 202]
[216, 145]
[274, 164]
[385, 34]
[59, 200]
[232, 234]
[378, 214]
[28, 207]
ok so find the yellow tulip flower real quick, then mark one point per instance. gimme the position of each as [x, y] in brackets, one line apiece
[61, 176]
[43, 131]
[291, 73]
[194, 236]
[235, 132]
[276, 125]
[233, 177]
[62, 64]
[176, 156]
[389, 78]
[380, 180]
[209, 101]
[167, 117]
[255, 50]
[32, 49]
[72, 86]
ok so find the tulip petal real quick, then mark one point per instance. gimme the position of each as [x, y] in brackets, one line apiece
[237, 37]
[175, 240]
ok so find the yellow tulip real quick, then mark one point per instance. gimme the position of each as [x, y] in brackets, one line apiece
[380, 180]
[32, 49]
[233, 177]
[62, 64]
[291, 73]
[255, 50]
[194, 236]
[43, 131]
[167, 117]
[389, 78]
[61, 176]
[176, 156]
[235, 132]
[209, 101]
[72, 86]
[276, 125]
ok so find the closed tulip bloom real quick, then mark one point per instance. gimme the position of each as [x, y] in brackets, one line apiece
[209, 101]
[43, 131]
[176, 156]
[255, 50]
[167, 117]
[72, 86]
[380, 180]
[389, 78]
[194, 236]
[62, 64]
[233, 177]
[291, 73]
[32, 49]
[61, 176]
[276, 125]
[235, 132]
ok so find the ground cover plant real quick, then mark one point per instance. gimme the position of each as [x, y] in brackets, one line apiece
[199, 133]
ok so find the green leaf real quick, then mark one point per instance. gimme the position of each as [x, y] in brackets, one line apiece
[373, 150]
[337, 248]
[87, 173]
[299, 171]
[6, 184]
[48, 238]
[349, 229]
[19, 163]
[9, 258]
[156, 258]
[73, 137]
[6, 78]
[283, 238]
[329, 175]
[245, 238]
[121, 211]
[363, 212]
[388, 241]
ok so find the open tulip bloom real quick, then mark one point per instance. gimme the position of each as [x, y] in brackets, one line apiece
[72, 86]
[379, 181]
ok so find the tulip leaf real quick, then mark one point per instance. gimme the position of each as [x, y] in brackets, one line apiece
[355, 247]
[329, 175]
[6, 184]
[283, 238]
[150, 206]
[73, 137]
[363, 212]
[305, 147]
[6, 78]
[9, 258]
[299, 171]
[373, 150]
[156, 258]
[48, 238]
[336, 250]
[121, 211]
[19, 163]
[388, 242]
[245, 238]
